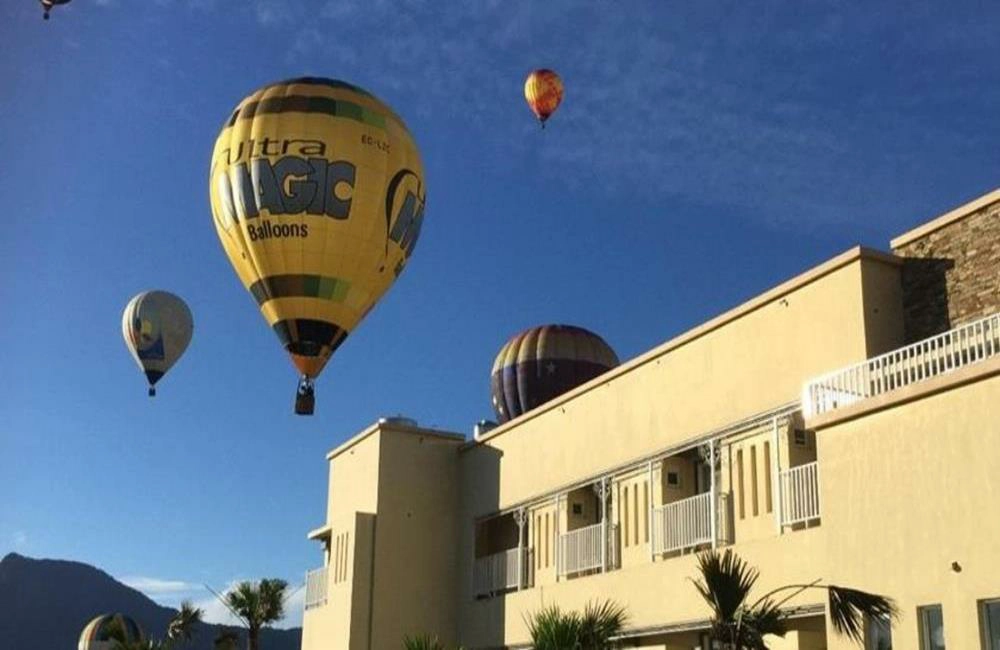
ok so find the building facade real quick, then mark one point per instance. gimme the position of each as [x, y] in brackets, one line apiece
[843, 426]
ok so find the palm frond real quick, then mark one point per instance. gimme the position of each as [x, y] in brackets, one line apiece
[762, 620]
[272, 596]
[422, 642]
[725, 583]
[849, 607]
[181, 626]
[258, 603]
[600, 622]
[551, 629]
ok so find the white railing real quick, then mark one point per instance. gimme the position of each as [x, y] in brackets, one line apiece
[954, 349]
[688, 523]
[682, 524]
[799, 494]
[580, 550]
[316, 587]
[500, 572]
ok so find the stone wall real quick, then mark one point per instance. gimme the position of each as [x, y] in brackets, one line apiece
[951, 274]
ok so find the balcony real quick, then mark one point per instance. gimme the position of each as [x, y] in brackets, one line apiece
[581, 551]
[957, 348]
[501, 572]
[316, 581]
[687, 523]
[800, 494]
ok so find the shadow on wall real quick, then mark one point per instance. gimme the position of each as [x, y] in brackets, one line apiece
[925, 296]
[481, 619]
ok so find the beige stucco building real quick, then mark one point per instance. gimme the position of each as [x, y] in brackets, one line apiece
[843, 425]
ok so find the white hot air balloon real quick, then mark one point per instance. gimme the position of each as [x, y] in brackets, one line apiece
[157, 328]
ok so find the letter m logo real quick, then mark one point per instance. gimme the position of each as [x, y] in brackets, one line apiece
[404, 227]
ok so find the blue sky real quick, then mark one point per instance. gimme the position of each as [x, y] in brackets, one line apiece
[704, 152]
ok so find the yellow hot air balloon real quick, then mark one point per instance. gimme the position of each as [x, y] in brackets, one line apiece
[157, 328]
[317, 193]
[543, 90]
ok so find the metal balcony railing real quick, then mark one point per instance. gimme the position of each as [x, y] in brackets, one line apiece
[316, 581]
[503, 571]
[934, 356]
[580, 550]
[800, 494]
[682, 524]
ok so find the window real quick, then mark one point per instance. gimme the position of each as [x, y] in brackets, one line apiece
[635, 514]
[538, 541]
[878, 634]
[800, 437]
[645, 513]
[989, 616]
[577, 508]
[625, 516]
[673, 479]
[767, 476]
[931, 627]
[547, 539]
[753, 479]
[739, 478]
[554, 540]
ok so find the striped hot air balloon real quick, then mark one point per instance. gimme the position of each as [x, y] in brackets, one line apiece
[543, 90]
[98, 633]
[544, 362]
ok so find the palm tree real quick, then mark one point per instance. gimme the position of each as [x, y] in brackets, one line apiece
[552, 629]
[259, 604]
[725, 584]
[600, 623]
[181, 626]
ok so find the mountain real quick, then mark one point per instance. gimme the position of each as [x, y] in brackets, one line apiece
[44, 605]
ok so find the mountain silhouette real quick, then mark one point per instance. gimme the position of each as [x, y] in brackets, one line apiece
[44, 605]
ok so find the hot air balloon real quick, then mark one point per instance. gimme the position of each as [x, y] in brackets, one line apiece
[48, 4]
[544, 362]
[317, 193]
[98, 634]
[157, 328]
[543, 89]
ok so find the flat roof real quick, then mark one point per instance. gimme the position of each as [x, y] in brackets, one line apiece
[949, 217]
[387, 424]
[785, 288]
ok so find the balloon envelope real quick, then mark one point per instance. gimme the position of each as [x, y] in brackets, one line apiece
[544, 362]
[48, 4]
[317, 193]
[543, 90]
[97, 634]
[157, 328]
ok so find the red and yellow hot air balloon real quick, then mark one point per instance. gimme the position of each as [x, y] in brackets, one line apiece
[317, 191]
[543, 89]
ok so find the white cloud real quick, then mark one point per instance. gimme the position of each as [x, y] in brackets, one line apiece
[156, 587]
[769, 112]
